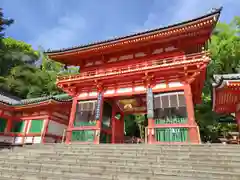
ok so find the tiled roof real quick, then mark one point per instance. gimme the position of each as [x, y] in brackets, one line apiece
[214, 11]
[57, 98]
[221, 79]
[8, 98]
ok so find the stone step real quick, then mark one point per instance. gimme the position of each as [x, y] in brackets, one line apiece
[209, 156]
[128, 150]
[132, 172]
[72, 160]
[150, 159]
[99, 147]
[138, 156]
[235, 150]
[231, 167]
[159, 148]
[23, 175]
[121, 150]
[124, 162]
[133, 145]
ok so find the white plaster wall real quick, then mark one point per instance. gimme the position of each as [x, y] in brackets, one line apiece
[30, 139]
[37, 139]
[18, 140]
[56, 128]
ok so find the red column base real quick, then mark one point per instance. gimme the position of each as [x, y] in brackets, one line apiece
[194, 135]
[150, 131]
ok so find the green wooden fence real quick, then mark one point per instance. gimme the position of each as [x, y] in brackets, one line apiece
[171, 134]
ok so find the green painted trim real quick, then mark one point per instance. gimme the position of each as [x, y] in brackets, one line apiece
[177, 120]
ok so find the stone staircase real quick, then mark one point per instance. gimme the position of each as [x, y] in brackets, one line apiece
[121, 162]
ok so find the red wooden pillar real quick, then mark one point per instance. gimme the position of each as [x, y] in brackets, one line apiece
[71, 119]
[113, 122]
[121, 135]
[193, 133]
[45, 129]
[9, 125]
[238, 122]
[150, 131]
[99, 120]
[150, 112]
[27, 122]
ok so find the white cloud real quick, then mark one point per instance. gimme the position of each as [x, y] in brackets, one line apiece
[68, 30]
[184, 10]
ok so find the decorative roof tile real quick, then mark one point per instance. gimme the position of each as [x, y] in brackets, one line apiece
[221, 79]
[8, 98]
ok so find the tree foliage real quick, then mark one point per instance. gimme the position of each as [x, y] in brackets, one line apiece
[224, 48]
[18, 71]
[4, 23]
[15, 53]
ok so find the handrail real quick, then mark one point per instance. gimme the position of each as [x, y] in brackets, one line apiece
[162, 62]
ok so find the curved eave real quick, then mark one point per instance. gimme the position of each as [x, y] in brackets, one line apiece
[135, 38]
[222, 80]
[34, 104]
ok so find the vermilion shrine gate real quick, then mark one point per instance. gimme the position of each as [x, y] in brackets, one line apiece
[159, 72]
[226, 95]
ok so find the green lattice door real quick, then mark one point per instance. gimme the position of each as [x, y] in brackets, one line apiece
[171, 134]
[83, 135]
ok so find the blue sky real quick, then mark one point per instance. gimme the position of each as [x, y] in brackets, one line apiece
[65, 23]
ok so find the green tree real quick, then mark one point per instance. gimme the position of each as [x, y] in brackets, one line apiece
[141, 121]
[26, 81]
[224, 48]
[15, 53]
[4, 23]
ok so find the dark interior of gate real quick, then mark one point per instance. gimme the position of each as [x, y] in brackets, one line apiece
[169, 108]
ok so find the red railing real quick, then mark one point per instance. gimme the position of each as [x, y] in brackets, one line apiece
[150, 64]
